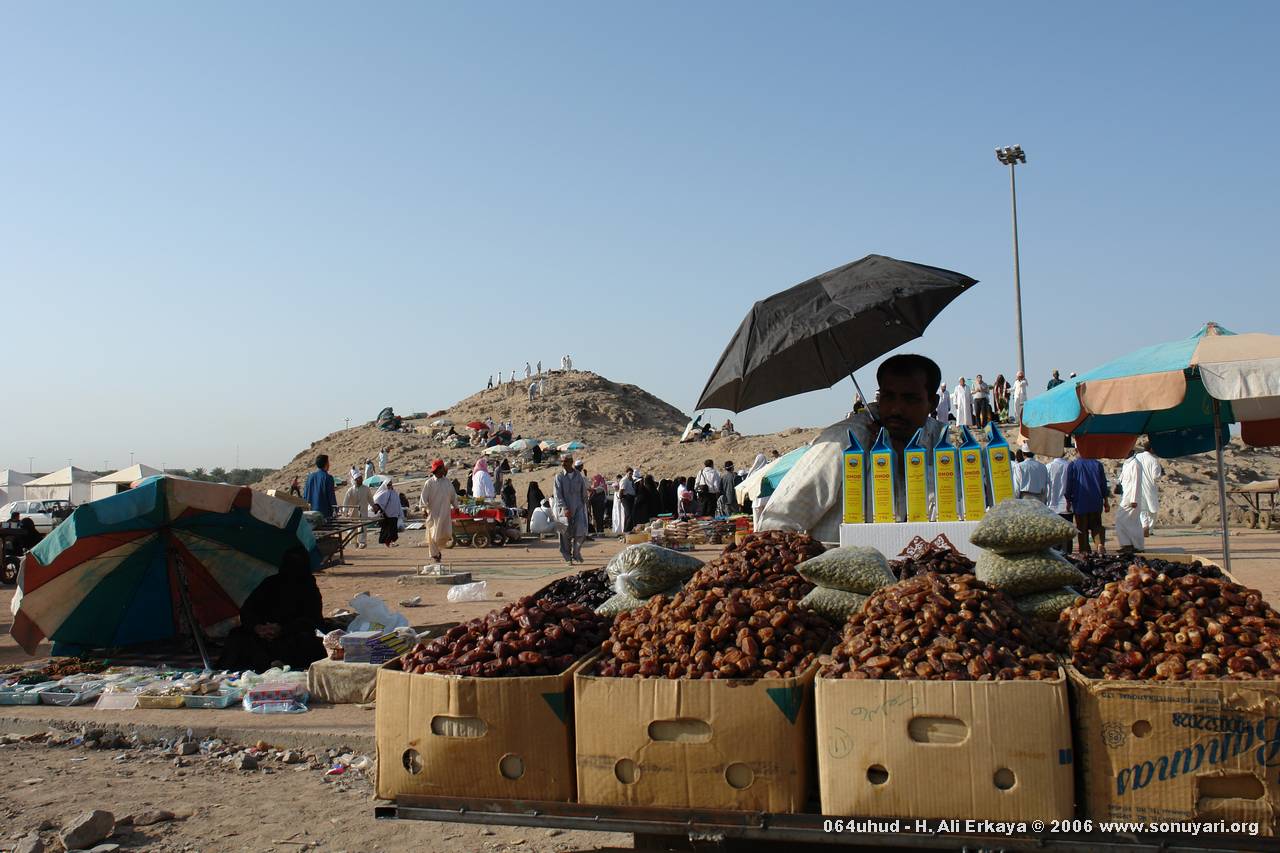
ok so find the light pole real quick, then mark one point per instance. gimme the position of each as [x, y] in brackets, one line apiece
[1011, 156]
[31, 463]
[130, 458]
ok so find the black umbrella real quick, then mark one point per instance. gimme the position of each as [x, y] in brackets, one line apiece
[817, 333]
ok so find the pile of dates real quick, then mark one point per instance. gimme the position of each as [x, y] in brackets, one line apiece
[1102, 569]
[737, 617]
[946, 562]
[765, 560]
[590, 587]
[1153, 626]
[940, 627]
[532, 636]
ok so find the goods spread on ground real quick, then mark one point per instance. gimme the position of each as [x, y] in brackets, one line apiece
[1153, 626]
[70, 681]
[937, 555]
[590, 587]
[843, 578]
[692, 531]
[531, 636]
[1101, 569]
[1017, 557]
[738, 617]
[949, 627]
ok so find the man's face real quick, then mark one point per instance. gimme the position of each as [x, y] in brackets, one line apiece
[568, 463]
[905, 404]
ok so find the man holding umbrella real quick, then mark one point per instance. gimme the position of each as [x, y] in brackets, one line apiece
[809, 497]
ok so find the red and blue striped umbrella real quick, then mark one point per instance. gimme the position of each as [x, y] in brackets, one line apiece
[126, 569]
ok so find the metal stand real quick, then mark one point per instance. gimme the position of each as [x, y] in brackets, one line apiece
[1222, 488]
[184, 593]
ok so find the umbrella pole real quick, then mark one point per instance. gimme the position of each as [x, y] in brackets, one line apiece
[185, 594]
[858, 388]
[1222, 488]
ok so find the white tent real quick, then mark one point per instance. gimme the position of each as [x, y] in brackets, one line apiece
[12, 485]
[105, 487]
[68, 484]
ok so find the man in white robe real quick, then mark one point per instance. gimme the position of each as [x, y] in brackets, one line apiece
[962, 404]
[943, 412]
[357, 502]
[438, 500]
[1128, 518]
[1018, 398]
[1148, 488]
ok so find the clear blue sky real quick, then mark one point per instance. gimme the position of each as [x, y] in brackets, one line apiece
[240, 223]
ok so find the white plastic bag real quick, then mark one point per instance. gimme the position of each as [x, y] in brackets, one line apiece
[373, 614]
[477, 591]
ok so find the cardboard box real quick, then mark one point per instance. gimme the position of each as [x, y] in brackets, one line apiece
[1178, 751]
[741, 744]
[447, 735]
[987, 750]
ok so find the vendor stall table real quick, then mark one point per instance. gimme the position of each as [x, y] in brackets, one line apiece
[701, 829]
[1250, 496]
[335, 534]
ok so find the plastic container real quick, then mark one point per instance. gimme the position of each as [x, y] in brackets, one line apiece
[24, 694]
[71, 695]
[156, 703]
[224, 698]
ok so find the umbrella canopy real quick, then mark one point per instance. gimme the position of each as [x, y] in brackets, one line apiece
[497, 449]
[570, 446]
[522, 444]
[124, 569]
[374, 481]
[477, 425]
[1180, 394]
[768, 478]
[547, 445]
[817, 333]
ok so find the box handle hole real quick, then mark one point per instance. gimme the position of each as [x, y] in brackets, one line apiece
[511, 766]
[1231, 786]
[626, 771]
[1141, 728]
[1004, 779]
[877, 775]
[937, 730]
[458, 726]
[680, 730]
[412, 761]
[739, 776]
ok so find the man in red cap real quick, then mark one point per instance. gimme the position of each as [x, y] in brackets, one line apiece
[438, 500]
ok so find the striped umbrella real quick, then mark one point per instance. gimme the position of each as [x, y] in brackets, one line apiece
[1180, 394]
[138, 566]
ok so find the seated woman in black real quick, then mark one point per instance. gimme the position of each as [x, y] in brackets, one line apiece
[278, 621]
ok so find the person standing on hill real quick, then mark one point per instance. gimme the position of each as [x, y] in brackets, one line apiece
[368, 468]
[570, 510]
[1054, 382]
[528, 371]
[962, 404]
[439, 497]
[1086, 494]
[320, 490]
[357, 502]
[489, 387]
[383, 457]
[1018, 398]
[707, 488]
[942, 413]
[1000, 397]
[295, 488]
[981, 401]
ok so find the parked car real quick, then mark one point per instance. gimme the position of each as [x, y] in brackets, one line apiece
[47, 514]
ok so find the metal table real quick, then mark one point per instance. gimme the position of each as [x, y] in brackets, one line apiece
[1249, 497]
[335, 534]
[707, 829]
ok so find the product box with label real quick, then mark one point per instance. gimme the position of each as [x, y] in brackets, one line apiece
[987, 750]
[448, 735]
[1179, 751]
[739, 744]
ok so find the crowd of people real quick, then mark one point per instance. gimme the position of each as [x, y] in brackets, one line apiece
[978, 403]
[533, 375]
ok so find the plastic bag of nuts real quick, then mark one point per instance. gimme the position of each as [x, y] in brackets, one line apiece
[940, 627]
[527, 637]
[1151, 626]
